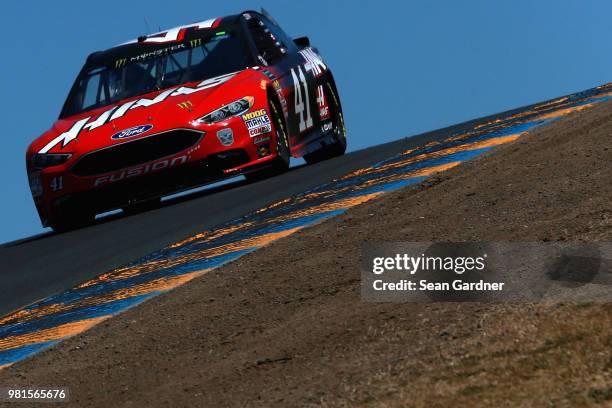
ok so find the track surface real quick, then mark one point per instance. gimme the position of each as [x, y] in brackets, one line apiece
[88, 276]
[47, 264]
[43, 265]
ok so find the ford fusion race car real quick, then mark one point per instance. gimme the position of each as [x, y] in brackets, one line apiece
[180, 108]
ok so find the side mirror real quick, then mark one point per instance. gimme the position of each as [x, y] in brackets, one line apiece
[302, 42]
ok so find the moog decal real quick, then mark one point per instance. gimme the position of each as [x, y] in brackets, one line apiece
[257, 122]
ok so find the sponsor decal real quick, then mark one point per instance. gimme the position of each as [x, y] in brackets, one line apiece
[132, 132]
[259, 129]
[322, 103]
[326, 127]
[314, 62]
[156, 53]
[185, 105]
[324, 112]
[279, 92]
[140, 170]
[262, 84]
[263, 151]
[196, 42]
[254, 114]
[226, 137]
[89, 123]
[257, 122]
[261, 139]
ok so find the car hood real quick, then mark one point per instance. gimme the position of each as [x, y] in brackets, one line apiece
[147, 114]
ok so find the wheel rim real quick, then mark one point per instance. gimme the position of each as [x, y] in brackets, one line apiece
[282, 144]
[339, 128]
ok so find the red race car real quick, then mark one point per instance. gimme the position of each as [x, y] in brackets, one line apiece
[181, 108]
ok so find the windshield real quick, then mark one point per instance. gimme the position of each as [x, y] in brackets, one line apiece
[123, 78]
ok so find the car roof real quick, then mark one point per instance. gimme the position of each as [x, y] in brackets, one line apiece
[154, 42]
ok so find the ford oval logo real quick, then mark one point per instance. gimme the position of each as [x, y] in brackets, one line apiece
[131, 132]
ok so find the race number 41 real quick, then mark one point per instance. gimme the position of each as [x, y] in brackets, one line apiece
[301, 109]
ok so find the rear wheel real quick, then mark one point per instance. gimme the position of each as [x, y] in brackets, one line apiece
[280, 163]
[338, 146]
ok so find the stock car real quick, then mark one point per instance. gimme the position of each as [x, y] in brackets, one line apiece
[177, 109]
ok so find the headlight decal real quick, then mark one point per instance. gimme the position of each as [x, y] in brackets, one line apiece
[234, 108]
[42, 160]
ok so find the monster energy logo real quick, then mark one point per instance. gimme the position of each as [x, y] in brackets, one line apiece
[120, 62]
[195, 43]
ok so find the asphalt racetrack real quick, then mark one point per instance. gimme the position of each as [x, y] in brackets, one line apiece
[40, 266]
[44, 265]
[68, 277]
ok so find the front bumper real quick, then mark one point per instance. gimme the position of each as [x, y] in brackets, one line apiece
[210, 160]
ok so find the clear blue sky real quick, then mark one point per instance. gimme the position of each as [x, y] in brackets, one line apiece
[402, 67]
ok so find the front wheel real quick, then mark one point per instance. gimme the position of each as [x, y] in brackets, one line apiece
[280, 163]
[71, 221]
[338, 146]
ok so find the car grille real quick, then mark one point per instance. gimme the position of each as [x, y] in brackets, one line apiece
[136, 152]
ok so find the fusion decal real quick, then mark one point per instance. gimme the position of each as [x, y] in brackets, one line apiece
[140, 170]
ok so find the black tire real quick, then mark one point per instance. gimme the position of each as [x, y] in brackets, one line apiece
[141, 206]
[280, 164]
[338, 147]
[71, 221]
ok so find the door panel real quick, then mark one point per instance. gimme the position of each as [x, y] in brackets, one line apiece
[297, 75]
[307, 75]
